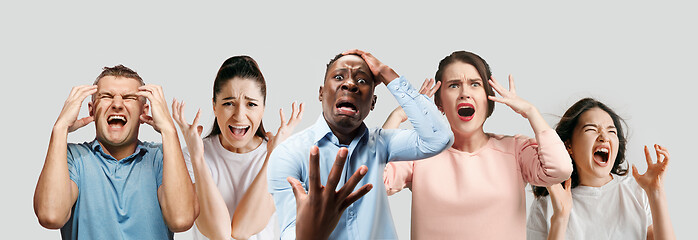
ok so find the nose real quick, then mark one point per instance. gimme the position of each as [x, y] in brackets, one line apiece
[117, 103]
[464, 94]
[350, 85]
[239, 112]
[603, 137]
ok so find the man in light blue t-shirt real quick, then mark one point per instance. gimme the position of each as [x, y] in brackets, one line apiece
[115, 187]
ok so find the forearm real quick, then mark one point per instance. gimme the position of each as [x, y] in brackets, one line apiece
[213, 220]
[538, 124]
[433, 134]
[394, 119]
[255, 208]
[660, 215]
[53, 194]
[558, 227]
[177, 197]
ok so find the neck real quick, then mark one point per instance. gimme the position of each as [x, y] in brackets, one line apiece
[594, 181]
[119, 152]
[251, 145]
[345, 136]
[470, 142]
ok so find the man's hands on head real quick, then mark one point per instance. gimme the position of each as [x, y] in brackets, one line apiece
[318, 211]
[68, 118]
[382, 72]
[160, 119]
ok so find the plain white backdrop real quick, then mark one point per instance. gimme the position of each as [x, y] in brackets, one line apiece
[638, 58]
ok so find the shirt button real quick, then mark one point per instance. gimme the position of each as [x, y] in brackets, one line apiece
[402, 95]
[404, 83]
[426, 112]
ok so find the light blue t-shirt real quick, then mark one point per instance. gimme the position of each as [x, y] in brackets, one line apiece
[369, 217]
[117, 198]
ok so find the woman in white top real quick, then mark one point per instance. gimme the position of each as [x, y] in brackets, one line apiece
[228, 167]
[600, 201]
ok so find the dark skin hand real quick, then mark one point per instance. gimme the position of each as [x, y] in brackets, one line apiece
[319, 210]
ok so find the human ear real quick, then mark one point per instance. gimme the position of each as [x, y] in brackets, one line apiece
[90, 108]
[373, 102]
[146, 108]
[320, 94]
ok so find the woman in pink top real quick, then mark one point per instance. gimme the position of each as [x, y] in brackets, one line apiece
[476, 188]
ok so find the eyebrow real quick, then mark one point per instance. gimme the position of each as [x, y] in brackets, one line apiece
[233, 98]
[597, 126]
[460, 80]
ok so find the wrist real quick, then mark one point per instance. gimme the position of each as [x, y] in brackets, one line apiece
[59, 129]
[655, 193]
[387, 74]
[560, 218]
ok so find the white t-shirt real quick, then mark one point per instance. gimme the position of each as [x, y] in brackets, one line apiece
[618, 210]
[233, 173]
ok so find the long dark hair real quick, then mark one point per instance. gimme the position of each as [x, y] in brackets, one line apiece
[470, 58]
[242, 67]
[566, 126]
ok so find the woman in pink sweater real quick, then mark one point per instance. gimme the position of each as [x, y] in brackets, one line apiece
[476, 188]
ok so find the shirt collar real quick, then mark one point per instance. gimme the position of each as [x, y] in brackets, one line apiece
[140, 148]
[321, 130]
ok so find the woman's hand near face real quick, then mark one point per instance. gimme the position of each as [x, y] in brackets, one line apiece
[286, 128]
[190, 132]
[518, 104]
[511, 99]
[398, 115]
[652, 179]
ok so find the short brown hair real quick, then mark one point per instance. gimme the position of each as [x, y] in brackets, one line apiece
[119, 71]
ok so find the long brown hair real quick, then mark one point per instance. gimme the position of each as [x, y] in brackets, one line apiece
[242, 67]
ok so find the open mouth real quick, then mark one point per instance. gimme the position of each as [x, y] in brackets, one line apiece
[346, 108]
[239, 131]
[116, 121]
[466, 111]
[601, 156]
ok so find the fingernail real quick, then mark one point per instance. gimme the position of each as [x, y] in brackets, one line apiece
[363, 170]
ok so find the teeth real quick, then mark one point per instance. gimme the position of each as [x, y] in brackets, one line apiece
[242, 128]
[603, 150]
[122, 118]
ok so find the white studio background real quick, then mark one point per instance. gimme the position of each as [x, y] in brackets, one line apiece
[638, 58]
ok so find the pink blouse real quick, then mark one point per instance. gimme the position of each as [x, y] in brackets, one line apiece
[479, 195]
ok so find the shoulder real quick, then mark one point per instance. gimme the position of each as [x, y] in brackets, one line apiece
[77, 151]
[629, 185]
[151, 145]
[509, 143]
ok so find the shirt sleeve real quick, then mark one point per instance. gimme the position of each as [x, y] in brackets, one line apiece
[283, 163]
[537, 224]
[73, 169]
[431, 134]
[544, 162]
[397, 175]
[158, 164]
